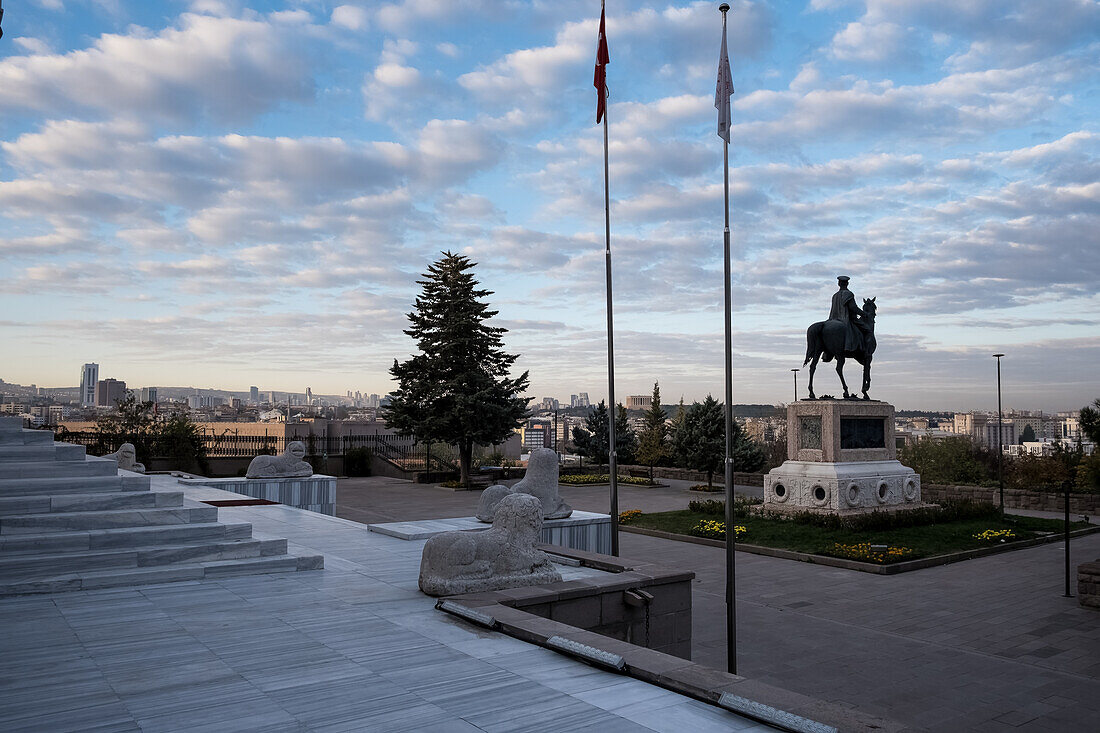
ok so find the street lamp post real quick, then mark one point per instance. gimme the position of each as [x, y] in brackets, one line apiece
[1000, 439]
[795, 374]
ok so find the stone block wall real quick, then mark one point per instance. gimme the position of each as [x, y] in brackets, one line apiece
[606, 612]
[1088, 584]
[1014, 498]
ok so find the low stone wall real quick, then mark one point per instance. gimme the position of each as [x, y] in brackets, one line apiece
[680, 474]
[1042, 501]
[1088, 584]
[600, 605]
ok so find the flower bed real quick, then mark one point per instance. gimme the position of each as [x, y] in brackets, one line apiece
[878, 542]
[629, 516]
[715, 530]
[602, 478]
[866, 552]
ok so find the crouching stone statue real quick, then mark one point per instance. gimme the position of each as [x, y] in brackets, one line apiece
[540, 481]
[503, 556]
[288, 464]
[126, 457]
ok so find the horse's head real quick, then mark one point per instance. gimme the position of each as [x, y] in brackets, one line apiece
[869, 308]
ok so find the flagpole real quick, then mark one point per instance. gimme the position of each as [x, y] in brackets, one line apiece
[731, 533]
[612, 408]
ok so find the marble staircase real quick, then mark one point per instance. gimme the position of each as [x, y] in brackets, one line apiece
[71, 522]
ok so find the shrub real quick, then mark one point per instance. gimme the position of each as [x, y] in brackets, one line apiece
[711, 489]
[717, 507]
[357, 461]
[949, 511]
[948, 461]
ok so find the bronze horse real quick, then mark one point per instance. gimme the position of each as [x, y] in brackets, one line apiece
[825, 341]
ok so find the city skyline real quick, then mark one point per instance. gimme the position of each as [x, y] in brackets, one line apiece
[246, 192]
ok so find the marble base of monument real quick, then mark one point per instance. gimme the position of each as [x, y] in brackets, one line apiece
[841, 488]
[842, 459]
[317, 493]
[585, 531]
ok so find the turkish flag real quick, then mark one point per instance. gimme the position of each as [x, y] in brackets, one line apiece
[599, 79]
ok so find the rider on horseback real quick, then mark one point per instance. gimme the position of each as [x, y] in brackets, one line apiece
[845, 310]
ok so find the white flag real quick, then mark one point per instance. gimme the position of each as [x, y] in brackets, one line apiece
[724, 90]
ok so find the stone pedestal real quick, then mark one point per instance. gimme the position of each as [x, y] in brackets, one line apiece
[316, 493]
[842, 459]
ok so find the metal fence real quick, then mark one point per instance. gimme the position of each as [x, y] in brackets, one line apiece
[406, 453]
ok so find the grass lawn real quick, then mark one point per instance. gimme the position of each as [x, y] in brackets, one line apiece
[922, 541]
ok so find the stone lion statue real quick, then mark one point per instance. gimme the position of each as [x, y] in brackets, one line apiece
[126, 457]
[503, 556]
[288, 464]
[540, 481]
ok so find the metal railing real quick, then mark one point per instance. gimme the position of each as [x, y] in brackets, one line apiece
[405, 453]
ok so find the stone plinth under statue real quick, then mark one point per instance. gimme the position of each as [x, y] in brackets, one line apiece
[842, 459]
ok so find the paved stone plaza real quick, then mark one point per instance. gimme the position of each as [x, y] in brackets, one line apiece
[984, 645]
[355, 647]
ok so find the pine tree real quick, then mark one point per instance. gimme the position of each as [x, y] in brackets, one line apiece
[651, 443]
[699, 437]
[591, 440]
[457, 390]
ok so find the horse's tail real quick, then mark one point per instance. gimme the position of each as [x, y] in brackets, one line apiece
[813, 342]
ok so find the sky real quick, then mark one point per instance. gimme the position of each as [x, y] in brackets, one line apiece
[228, 193]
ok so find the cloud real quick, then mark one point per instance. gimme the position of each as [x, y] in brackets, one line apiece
[350, 17]
[225, 68]
[876, 43]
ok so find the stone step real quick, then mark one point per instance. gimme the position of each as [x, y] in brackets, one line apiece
[26, 437]
[58, 469]
[71, 485]
[164, 574]
[104, 539]
[111, 519]
[44, 452]
[97, 502]
[24, 567]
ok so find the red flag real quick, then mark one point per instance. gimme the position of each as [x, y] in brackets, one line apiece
[599, 79]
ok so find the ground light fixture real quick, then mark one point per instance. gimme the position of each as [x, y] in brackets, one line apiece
[772, 716]
[470, 614]
[587, 653]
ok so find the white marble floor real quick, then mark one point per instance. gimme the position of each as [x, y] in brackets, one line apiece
[354, 647]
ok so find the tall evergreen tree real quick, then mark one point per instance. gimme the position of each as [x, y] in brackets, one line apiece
[652, 447]
[706, 437]
[678, 437]
[699, 439]
[457, 390]
[591, 440]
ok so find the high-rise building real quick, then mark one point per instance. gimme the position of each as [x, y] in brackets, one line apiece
[582, 400]
[149, 394]
[271, 397]
[309, 396]
[89, 378]
[254, 395]
[108, 392]
[195, 401]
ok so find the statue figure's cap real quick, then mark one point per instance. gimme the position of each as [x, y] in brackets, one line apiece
[842, 278]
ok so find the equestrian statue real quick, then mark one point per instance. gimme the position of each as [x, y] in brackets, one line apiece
[848, 334]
